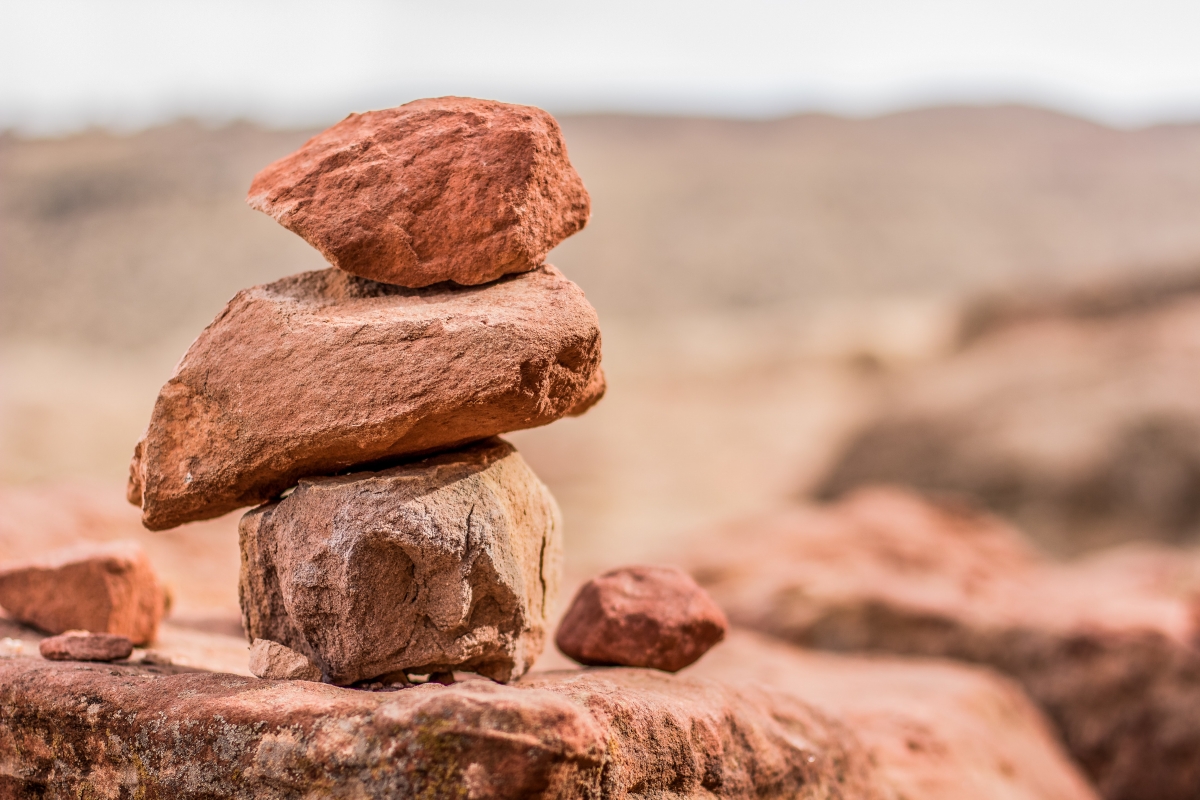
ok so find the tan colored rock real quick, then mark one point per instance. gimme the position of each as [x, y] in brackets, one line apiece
[85, 646]
[641, 617]
[449, 563]
[936, 730]
[79, 730]
[273, 661]
[443, 189]
[322, 371]
[1106, 646]
[103, 588]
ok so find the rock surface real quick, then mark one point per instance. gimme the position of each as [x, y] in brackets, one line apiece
[1079, 421]
[84, 646]
[322, 371]
[103, 588]
[929, 727]
[273, 661]
[641, 617]
[1106, 646]
[117, 731]
[936, 730]
[443, 189]
[452, 562]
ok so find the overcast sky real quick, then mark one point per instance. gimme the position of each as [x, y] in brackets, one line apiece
[128, 63]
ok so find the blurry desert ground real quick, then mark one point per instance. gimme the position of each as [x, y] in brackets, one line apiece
[761, 286]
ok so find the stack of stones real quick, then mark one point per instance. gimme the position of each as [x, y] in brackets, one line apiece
[358, 406]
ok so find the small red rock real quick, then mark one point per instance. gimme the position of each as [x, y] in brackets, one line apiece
[443, 189]
[273, 661]
[641, 617]
[103, 588]
[84, 646]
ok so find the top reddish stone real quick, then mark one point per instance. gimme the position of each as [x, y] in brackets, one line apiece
[444, 189]
[641, 617]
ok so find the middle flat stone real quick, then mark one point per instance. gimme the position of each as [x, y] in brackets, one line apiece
[323, 372]
[452, 562]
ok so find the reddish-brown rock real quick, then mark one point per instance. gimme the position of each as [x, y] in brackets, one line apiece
[74, 730]
[641, 617]
[443, 189]
[323, 371]
[1106, 646]
[448, 563]
[103, 588]
[85, 646]
[934, 729]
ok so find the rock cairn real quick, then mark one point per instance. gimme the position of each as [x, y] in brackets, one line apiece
[358, 406]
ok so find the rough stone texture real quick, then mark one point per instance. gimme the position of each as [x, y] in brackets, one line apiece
[933, 730]
[444, 189]
[103, 588]
[74, 730]
[452, 562]
[936, 730]
[641, 617]
[322, 371]
[1106, 646]
[85, 646]
[1076, 418]
[273, 661]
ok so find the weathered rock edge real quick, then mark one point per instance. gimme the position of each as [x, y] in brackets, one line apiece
[441, 189]
[121, 731]
[320, 372]
[448, 563]
[1106, 646]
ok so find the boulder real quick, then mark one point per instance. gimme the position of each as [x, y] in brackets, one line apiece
[323, 371]
[198, 563]
[641, 617]
[936, 730]
[103, 588]
[1078, 420]
[123, 731]
[273, 661]
[444, 189]
[1107, 646]
[448, 563]
[84, 646]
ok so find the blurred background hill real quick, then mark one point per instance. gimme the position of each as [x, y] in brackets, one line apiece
[771, 294]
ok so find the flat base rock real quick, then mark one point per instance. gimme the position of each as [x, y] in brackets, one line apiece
[85, 730]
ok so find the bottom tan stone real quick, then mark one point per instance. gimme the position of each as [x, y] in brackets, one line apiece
[447, 563]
